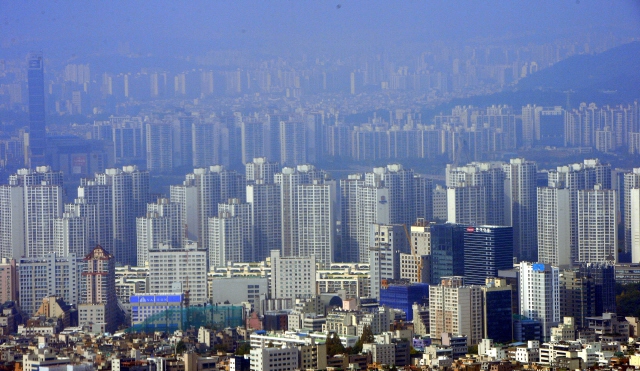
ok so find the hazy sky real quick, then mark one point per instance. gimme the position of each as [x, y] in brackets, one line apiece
[315, 25]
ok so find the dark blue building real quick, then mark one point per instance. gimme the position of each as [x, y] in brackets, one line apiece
[498, 322]
[487, 249]
[402, 296]
[525, 329]
[447, 251]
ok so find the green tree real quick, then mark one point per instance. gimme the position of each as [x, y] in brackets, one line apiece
[181, 347]
[367, 335]
[243, 348]
[334, 345]
[365, 338]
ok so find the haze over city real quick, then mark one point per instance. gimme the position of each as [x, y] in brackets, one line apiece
[314, 185]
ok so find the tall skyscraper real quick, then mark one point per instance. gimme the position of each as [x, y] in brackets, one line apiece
[37, 124]
[521, 177]
[540, 295]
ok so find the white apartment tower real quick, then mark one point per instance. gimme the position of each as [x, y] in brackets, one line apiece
[554, 226]
[159, 146]
[129, 197]
[476, 194]
[151, 231]
[50, 275]
[226, 240]
[316, 221]
[539, 289]
[289, 180]
[213, 185]
[173, 212]
[634, 215]
[292, 277]
[185, 269]
[261, 169]
[597, 225]
[631, 182]
[70, 234]
[29, 204]
[242, 211]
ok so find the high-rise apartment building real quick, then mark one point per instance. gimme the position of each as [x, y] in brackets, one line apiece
[540, 294]
[631, 184]
[159, 137]
[29, 204]
[290, 180]
[242, 211]
[253, 140]
[179, 270]
[521, 177]
[476, 194]
[151, 231]
[264, 200]
[456, 308]
[226, 239]
[50, 275]
[37, 124]
[597, 225]
[260, 169]
[575, 177]
[554, 226]
[316, 221]
[129, 188]
[212, 186]
[70, 234]
[293, 143]
[292, 277]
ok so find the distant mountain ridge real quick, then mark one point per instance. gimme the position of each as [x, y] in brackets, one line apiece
[616, 70]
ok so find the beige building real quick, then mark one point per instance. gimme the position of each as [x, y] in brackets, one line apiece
[456, 309]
